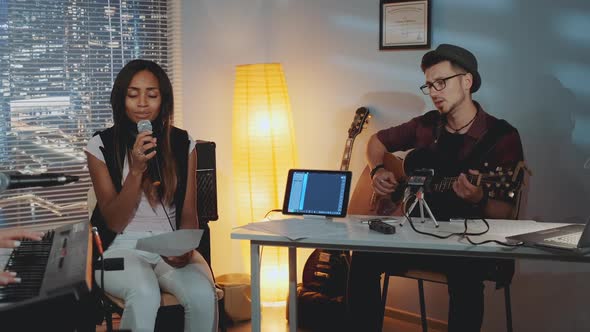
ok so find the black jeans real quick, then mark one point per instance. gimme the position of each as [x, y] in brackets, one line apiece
[465, 285]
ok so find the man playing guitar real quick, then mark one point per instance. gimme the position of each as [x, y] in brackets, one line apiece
[460, 136]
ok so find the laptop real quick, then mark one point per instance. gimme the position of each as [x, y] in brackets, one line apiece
[574, 238]
[317, 193]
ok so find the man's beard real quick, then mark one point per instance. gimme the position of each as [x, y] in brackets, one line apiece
[452, 107]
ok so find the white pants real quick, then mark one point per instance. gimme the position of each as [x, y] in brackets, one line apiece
[145, 274]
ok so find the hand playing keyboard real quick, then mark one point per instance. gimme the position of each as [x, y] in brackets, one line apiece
[8, 278]
[27, 260]
[12, 238]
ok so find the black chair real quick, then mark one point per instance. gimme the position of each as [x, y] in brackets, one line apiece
[501, 275]
[171, 313]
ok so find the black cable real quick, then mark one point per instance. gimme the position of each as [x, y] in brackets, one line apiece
[346, 258]
[102, 275]
[517, 244]
[98, 244]
[465, 234]
[262, 247]
[518, 205]
[271, 211]
[426, 233]
[160, 195]
[476, 234]
[420, 232]
[167, 216]
[104, 294]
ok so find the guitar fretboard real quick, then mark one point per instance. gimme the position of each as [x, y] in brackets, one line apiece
[446, 183]
[360, 119]
[345, 164]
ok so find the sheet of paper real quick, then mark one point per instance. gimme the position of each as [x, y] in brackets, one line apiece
[172, 243]
[297, 229]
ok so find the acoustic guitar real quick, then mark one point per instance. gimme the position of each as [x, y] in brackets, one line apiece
[360, 122]
[502, 183]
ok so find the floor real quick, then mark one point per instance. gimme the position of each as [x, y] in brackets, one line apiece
[274, 320]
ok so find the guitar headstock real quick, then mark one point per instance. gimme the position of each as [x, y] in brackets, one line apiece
[503, 183]
[360, 121]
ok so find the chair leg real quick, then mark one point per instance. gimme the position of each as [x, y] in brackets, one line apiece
[222, 317]
[108, 314]
[422, 306]
[109, 320]
[508, 308]
[384, 296]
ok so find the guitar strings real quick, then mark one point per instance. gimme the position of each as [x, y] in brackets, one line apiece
[482, 177]
[485, 178]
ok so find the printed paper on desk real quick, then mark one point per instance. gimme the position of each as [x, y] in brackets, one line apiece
[172, 243]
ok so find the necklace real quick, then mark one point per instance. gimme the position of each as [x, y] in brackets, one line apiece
[465, 126]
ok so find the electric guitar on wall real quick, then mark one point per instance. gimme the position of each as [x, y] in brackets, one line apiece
[501, 183]
[325, 271]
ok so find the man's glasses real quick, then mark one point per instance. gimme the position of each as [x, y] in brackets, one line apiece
[438, 85]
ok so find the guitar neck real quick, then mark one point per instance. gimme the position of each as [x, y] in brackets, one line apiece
[345, 163]
[446, 183]
[499, 182]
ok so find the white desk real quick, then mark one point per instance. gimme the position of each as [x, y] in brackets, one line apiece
[359, 237]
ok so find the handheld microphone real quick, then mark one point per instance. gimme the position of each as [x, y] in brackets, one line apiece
[16, 180]
[153, 165]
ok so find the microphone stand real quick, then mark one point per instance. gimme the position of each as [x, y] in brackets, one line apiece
[110, 264]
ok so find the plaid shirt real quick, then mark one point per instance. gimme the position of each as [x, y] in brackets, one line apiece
[421, 132]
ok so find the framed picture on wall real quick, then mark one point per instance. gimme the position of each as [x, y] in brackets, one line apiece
[404, 24]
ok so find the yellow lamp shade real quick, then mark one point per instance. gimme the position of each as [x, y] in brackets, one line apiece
[263, 152]
[263, 139]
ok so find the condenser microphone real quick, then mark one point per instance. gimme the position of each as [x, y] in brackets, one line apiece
[16, 180]
[153, 165]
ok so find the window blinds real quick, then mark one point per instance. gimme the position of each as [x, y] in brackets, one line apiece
[58, 61]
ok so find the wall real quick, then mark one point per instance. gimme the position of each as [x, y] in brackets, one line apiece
[534, 59]
[217, 36]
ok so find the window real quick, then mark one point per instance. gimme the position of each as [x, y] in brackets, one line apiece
[58, 61]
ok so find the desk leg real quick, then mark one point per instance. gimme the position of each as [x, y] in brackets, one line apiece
[255, 286]
[293, 289]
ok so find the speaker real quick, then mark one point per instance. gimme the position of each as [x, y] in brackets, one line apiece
[206, 182]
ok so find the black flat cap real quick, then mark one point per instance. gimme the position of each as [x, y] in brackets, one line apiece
[455, 54]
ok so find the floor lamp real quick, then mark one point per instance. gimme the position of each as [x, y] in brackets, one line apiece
[264, 150]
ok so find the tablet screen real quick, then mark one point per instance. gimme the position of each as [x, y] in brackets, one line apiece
[317, 192]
